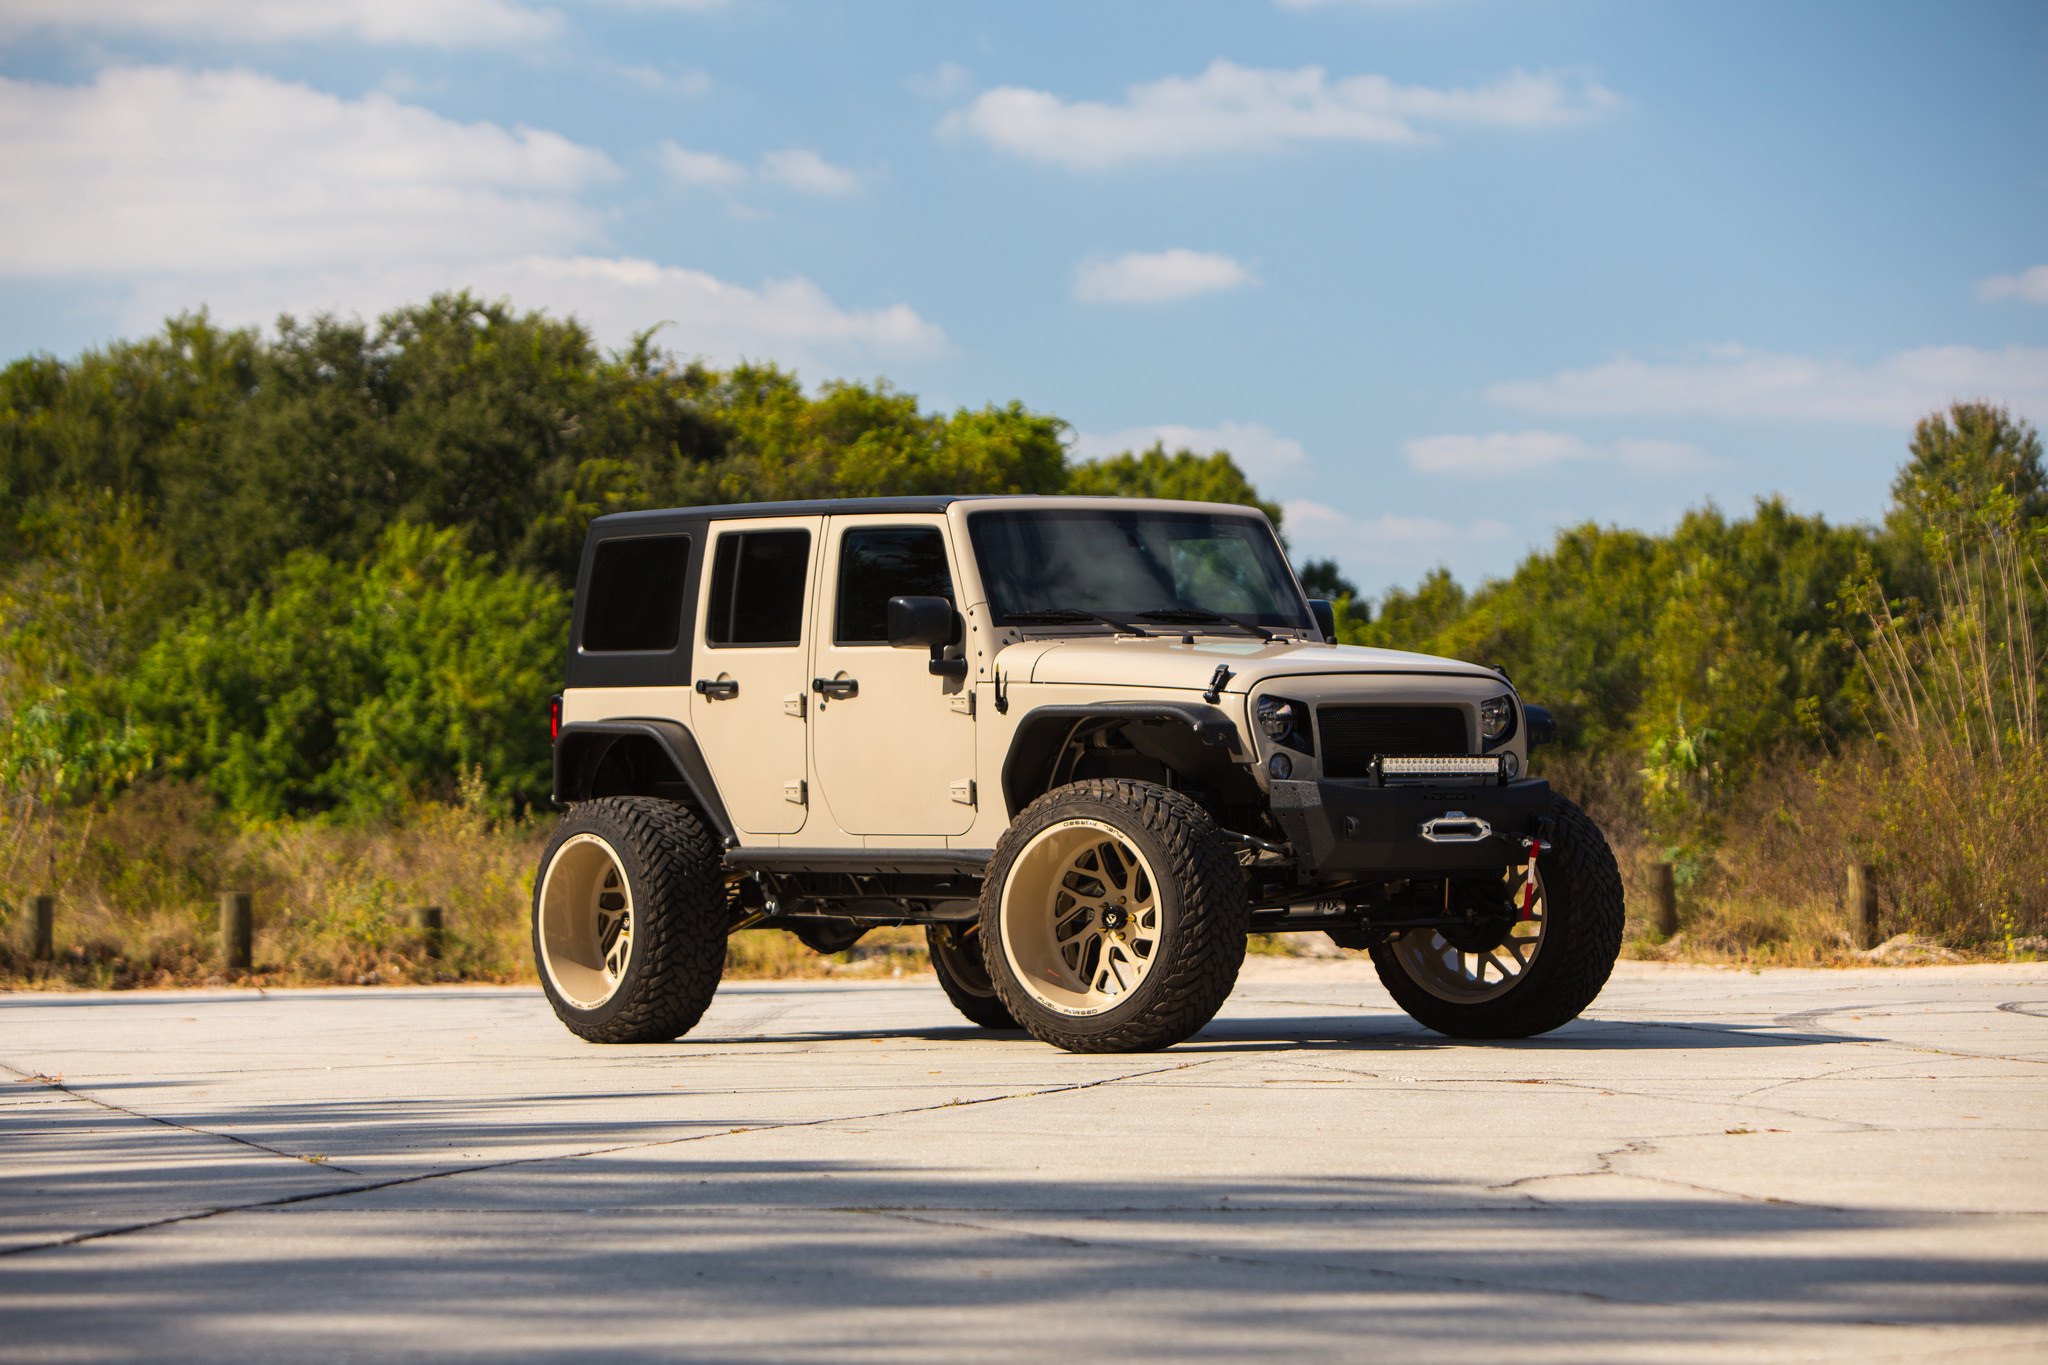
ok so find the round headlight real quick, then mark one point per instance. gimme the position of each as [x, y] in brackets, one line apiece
[1276, 717]
[1496, 716]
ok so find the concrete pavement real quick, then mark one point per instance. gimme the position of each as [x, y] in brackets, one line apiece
[1714, 1163]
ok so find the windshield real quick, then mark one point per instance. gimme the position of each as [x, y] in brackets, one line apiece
[1117, 564]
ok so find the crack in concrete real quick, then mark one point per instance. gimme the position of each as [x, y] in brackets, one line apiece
[52, 1083]
[1404, 1277]
[419, 1177]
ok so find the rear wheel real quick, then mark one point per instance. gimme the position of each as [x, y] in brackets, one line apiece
[1531, 974]
[629, 920]
[963, 974]
[1115, 917]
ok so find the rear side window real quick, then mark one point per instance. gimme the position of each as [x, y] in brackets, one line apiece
[881, 562]
[634, 599]
[757, 588]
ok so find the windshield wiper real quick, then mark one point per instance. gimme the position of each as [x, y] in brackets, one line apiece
[1052, 616]
[1190, 616]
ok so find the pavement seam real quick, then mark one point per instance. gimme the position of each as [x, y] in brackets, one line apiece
[102, 1234]
[1376, 1272]
[49, 1082]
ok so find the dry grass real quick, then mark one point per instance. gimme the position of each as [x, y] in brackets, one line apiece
[139, 880]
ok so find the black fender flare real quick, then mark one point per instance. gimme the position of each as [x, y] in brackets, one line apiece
[581, 747]
[1042, 732]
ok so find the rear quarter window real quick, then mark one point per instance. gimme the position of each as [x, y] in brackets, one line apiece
[633, 602]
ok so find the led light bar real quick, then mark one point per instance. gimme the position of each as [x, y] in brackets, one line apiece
[1448, 765]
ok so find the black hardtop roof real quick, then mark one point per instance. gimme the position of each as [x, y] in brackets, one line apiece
[809, 507]
[659, 518]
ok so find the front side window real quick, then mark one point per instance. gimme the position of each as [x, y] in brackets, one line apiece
[1127, 565]
[877, 563]
[757, 588]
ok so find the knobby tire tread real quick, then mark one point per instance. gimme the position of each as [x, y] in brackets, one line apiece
[680, 952]
[1572, 968]
[1215, 917]
[988, 1011]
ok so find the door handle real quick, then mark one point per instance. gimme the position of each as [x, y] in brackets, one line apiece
[837, 689]
[721, 689]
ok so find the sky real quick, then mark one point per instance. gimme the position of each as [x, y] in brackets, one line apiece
[1444, 276]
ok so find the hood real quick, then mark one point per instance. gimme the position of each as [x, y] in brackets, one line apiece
[1166, 662]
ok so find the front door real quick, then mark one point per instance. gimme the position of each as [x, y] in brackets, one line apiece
[892, 744]
[751, 691]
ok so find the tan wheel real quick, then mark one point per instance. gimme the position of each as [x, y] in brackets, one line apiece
[1475, 969]
[629, 919]
[1513, 978]
[1080, 917]
[586, 921]
[1113, 916]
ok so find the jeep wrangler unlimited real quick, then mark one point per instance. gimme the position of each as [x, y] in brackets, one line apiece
[1090, 744]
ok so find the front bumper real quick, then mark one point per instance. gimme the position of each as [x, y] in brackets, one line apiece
[1354, 828]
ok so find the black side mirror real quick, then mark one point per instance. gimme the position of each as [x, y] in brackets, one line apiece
[927, 621]
[920, 621]
[1325, 612]
[1542, 725]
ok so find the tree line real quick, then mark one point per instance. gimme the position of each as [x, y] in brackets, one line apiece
[325, 571]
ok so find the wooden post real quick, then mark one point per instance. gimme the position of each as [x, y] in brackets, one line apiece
[427, 919]
[43, 929]
[1862, 905]
[1664, 897]
[237, 929]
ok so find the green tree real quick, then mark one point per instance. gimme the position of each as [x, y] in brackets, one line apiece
[1957, 462]
[359, 688]
[1214, 477]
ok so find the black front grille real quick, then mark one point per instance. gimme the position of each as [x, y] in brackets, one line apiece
[1352, 735]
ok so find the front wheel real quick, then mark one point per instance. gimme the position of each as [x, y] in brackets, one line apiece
[1536, 974]
[1114, 917]
[629, 920]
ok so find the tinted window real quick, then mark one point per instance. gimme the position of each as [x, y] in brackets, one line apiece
[757, 588]
[634, 599]
[1126, 563]
[878, 563]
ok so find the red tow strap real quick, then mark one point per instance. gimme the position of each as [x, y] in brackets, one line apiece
[1536, 846]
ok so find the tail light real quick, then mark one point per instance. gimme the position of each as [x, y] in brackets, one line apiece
[554, 717]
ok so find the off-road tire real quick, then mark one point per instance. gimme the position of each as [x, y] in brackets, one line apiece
[1584, 910]
[963, 974]
[1204, 916]
[671, 864]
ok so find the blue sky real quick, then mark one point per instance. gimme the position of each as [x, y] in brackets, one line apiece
[1445, 275]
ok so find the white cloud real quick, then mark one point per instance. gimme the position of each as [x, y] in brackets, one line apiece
[2030, 284]
[253, 197]
[1409, 543]
[686, 167]
[157, 169]
[946, 81]
[688, 83]
[1158, 276]
[1231, 108]
[1522, 452]
[803, 170]
[794, 168]
[1736, 381]
[1259, 450]
[433, 23]
[789, 320]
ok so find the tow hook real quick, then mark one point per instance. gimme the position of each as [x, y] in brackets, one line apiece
[1535, 848]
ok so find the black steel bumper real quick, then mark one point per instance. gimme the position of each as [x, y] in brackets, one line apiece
[1352, 828]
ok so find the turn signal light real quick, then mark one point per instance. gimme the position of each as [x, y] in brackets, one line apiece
[554, 717]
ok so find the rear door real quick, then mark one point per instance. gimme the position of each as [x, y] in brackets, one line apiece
[892, 744]
[749, 697]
